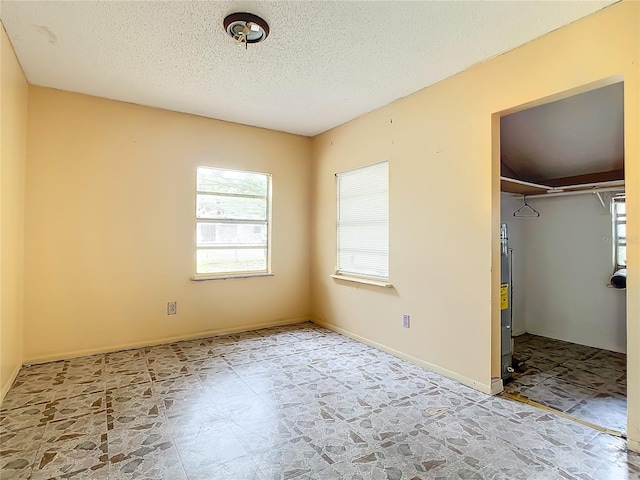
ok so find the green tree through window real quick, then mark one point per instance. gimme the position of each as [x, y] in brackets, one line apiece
[232, 221]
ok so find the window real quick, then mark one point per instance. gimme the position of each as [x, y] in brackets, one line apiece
[232, 222]
[363, 222]
[619, 215]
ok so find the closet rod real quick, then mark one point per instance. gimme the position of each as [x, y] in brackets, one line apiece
[576, 192]
[609, 184]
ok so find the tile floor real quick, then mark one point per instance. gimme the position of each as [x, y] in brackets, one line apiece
[585, 382]
[296, 402]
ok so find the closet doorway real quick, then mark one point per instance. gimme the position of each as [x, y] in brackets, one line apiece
[563, 205]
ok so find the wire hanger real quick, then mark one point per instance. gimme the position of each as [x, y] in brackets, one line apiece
[528, 212]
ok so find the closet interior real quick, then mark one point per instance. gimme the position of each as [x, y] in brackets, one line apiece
[563, 246]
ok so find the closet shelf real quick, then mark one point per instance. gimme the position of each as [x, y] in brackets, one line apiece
[520, 187]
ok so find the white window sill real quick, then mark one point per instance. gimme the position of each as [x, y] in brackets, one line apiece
[204, 278]
[366, 281]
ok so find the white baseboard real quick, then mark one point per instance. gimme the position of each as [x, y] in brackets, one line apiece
[161, 341]
[496, 386]
[9, 383]
[594, 344]
[484, 388]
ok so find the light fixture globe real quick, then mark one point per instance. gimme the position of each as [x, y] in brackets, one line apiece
[246, 28]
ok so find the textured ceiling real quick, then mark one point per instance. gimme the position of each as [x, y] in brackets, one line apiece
[578, 135]
[324, 63]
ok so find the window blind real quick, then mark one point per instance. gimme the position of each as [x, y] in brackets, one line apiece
[363, 221]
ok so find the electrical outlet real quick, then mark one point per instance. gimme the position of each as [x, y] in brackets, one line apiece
[406, 320]
[172, 308]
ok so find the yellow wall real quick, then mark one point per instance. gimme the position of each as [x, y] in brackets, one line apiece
[444, 200]
[110, 226]
[13, 138]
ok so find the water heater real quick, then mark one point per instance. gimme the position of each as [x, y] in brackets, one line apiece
[506, 318]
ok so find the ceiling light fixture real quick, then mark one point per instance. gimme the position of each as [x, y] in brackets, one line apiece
[246, 28]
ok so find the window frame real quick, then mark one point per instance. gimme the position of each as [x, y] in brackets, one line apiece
[344, 274]
[618, 241]
[233, 221]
